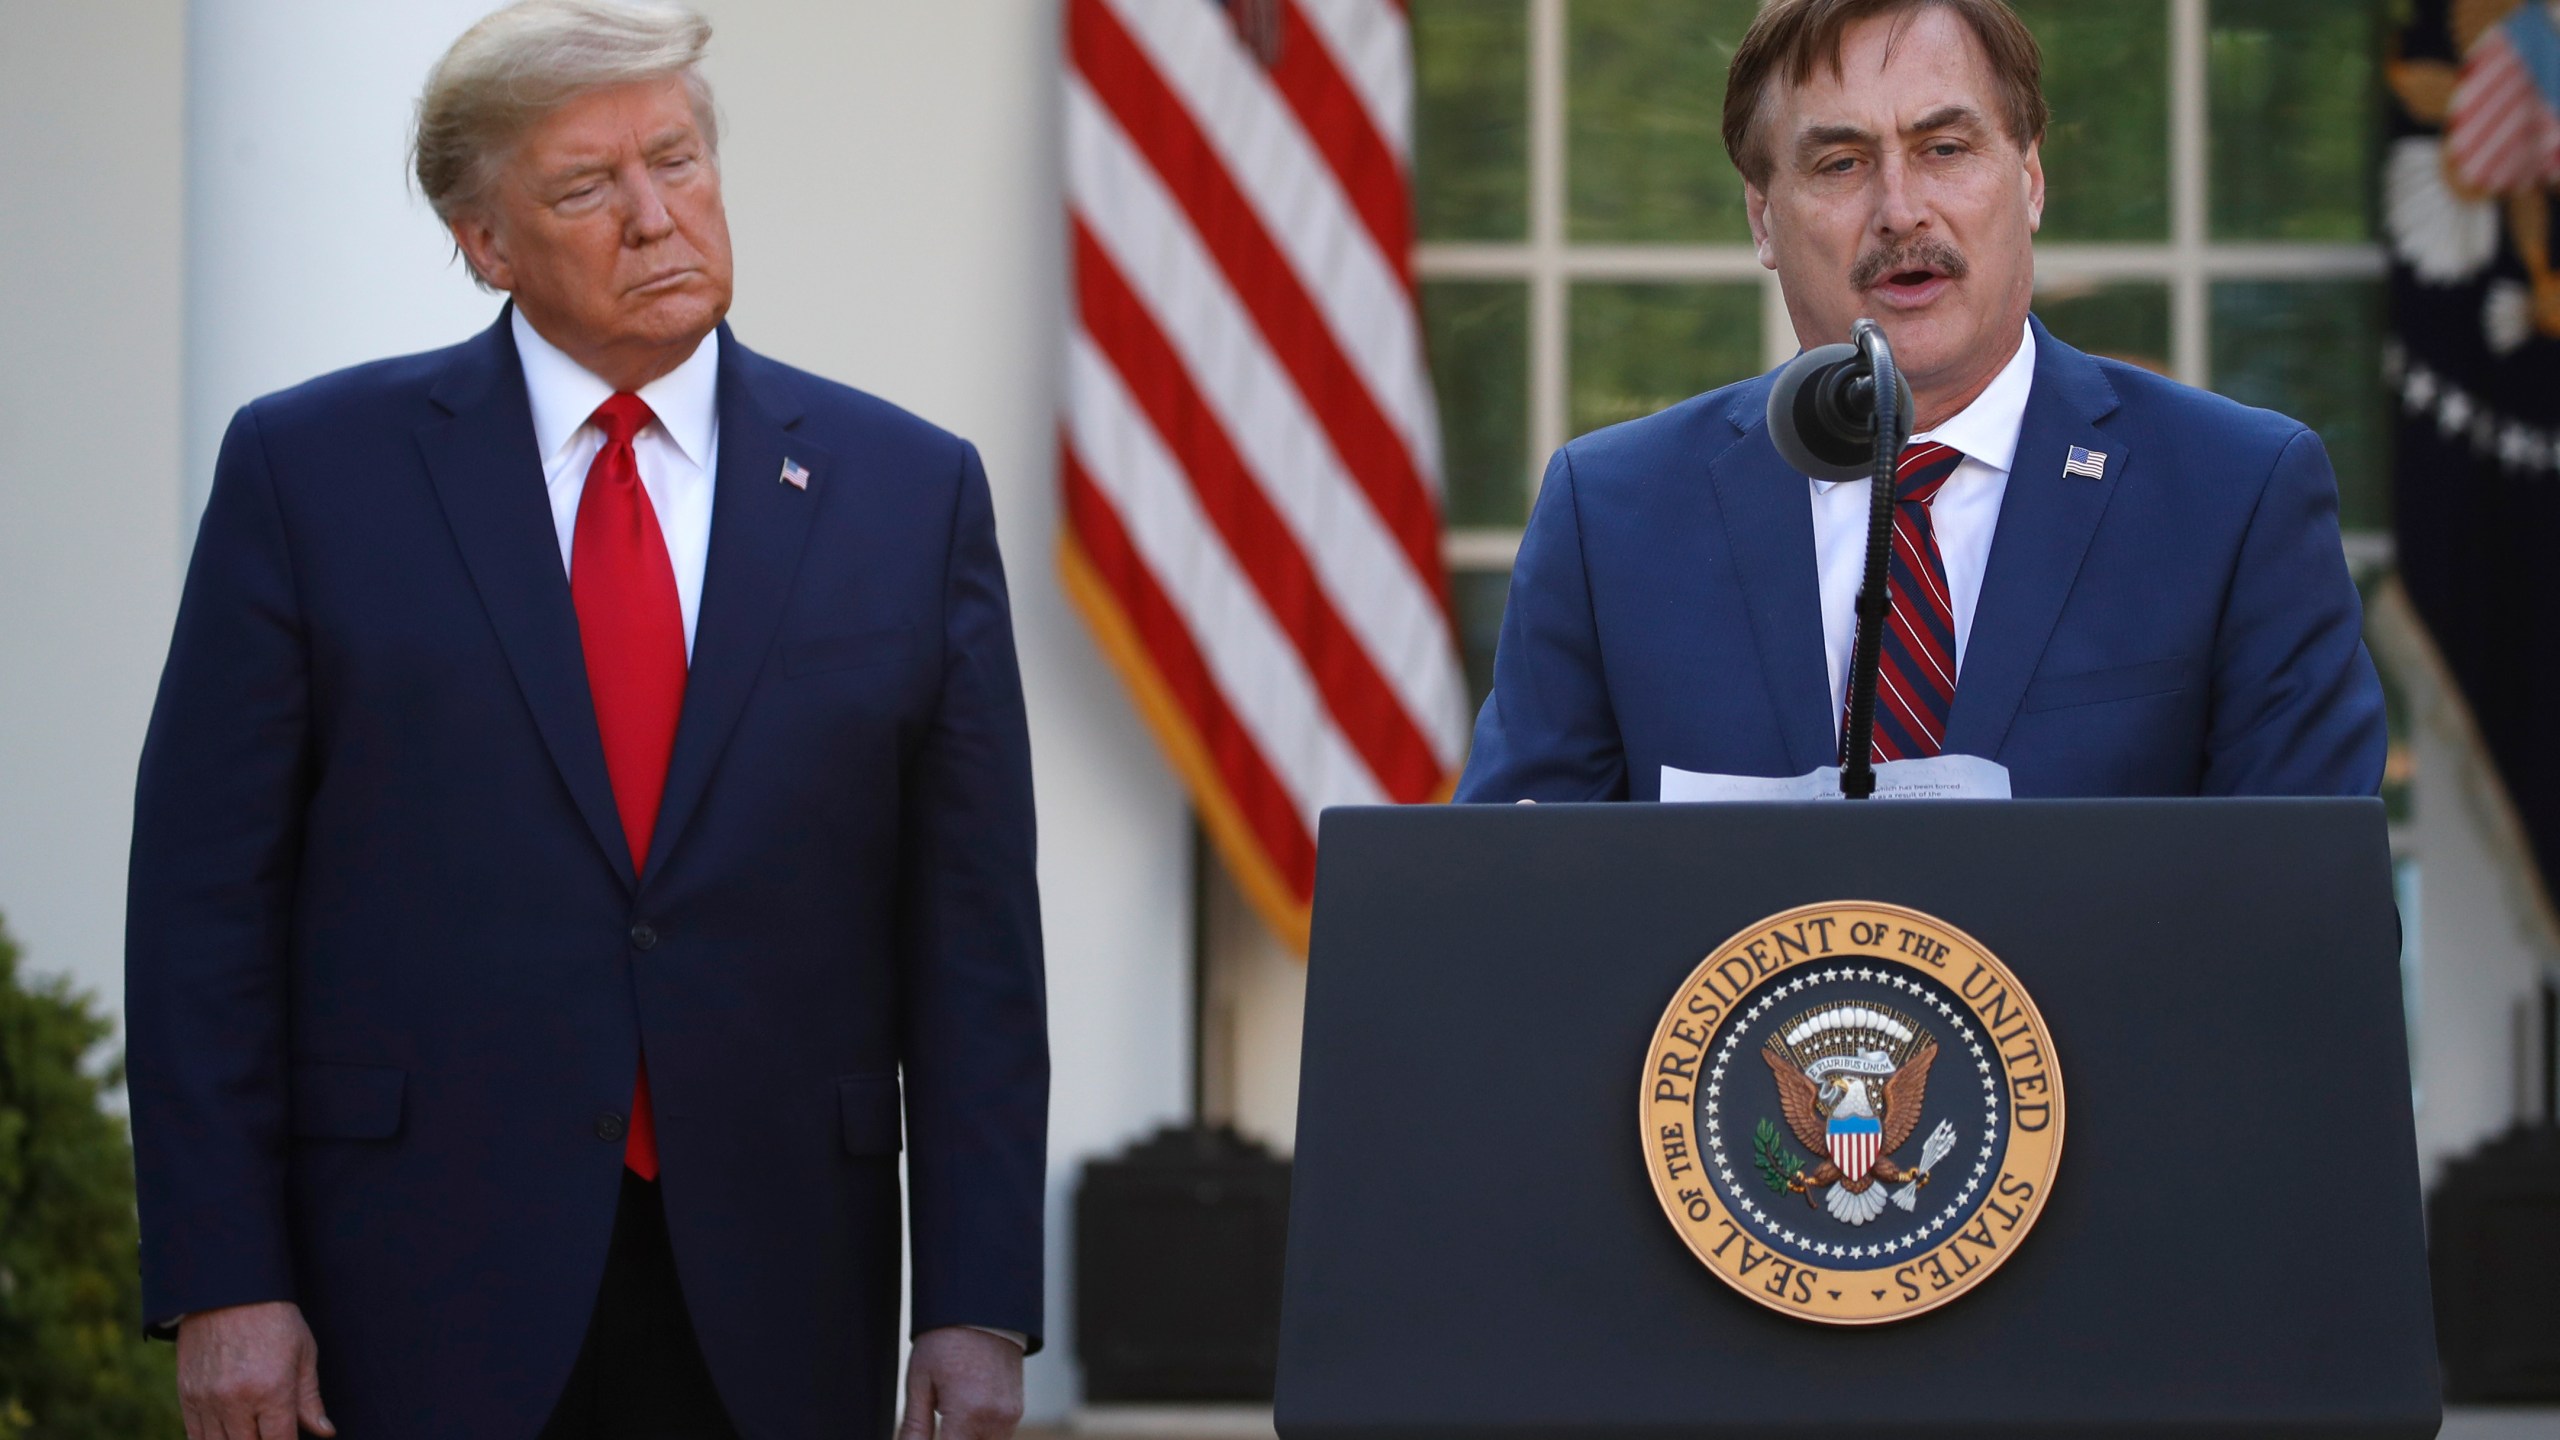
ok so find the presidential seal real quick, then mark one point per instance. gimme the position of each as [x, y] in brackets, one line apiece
[1852, 1113]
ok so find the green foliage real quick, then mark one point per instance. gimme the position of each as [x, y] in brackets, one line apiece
[2106, 151]
[1471, 149]
[1779, 1165]
[73, 1364]
[2296, 118]
[1644, 123]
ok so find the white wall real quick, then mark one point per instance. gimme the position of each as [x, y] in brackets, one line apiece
[894, 199]
[89, 275]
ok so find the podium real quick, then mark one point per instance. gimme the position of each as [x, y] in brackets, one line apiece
[2231, 1247]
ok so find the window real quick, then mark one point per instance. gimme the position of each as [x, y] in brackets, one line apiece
[2211, 176]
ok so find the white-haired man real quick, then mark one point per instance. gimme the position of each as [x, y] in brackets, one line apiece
[584, 831]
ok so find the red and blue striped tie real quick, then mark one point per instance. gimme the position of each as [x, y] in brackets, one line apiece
[1918, 681]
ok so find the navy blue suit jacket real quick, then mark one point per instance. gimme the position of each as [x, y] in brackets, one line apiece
[388, 976]
[2184, 626]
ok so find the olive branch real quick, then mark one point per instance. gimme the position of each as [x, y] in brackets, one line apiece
[1779, 1166]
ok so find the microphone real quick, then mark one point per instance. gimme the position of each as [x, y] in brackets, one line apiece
[1822, 412]
[1826, 421]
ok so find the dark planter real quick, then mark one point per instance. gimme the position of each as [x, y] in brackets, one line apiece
[2493, 1237]
[1178, 1263]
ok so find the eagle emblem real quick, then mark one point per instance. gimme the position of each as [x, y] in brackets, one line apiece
[1852, 1078]
[1917, 1120]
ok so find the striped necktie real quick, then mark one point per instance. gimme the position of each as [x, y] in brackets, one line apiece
[1918, 679]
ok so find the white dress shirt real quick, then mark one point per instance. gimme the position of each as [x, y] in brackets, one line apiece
[1964, 515]
[679, 452]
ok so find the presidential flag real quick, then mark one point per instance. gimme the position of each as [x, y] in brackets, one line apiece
[2475, 361]
[1250, 454]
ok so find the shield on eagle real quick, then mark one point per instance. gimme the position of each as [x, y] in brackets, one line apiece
[1854, 1142]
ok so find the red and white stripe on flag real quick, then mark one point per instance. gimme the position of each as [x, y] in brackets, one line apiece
[1250, 450]
[2501, 132]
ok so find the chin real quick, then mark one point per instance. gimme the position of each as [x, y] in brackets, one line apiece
[674, 319]
[1927, 341]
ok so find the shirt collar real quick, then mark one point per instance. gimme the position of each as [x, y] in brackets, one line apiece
[1986, 431]
[564, 394]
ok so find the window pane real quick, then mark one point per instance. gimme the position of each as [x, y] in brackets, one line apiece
[1479, 337]
[1638, 348]
[2125, 321]
[2296, 118]
[1644, 102]
[1471, 143]
[1478, 596]
[2106, 152]
[2313, 350]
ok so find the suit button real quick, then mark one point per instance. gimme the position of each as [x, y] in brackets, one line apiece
[643, 936]
[609, 1126]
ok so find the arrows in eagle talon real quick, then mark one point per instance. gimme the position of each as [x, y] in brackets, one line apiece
[1940, 1143]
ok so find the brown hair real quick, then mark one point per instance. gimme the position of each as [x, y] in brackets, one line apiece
[1790, 37]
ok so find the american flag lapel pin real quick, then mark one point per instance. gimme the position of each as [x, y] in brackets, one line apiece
[796, 475]
[2087, 464]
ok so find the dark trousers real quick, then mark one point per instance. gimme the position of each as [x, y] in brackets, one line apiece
[640, 1375]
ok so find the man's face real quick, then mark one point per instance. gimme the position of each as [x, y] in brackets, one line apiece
[1895, 193]
[606, 226]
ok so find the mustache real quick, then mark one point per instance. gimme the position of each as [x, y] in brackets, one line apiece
[1926, 253]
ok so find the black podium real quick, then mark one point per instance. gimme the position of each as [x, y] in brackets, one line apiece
[2232, 1246]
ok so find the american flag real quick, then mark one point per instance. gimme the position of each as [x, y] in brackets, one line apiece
[2502, 134]
[1251, 453]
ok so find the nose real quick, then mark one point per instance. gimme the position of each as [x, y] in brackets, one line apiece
[645, 219]
[1900, 210]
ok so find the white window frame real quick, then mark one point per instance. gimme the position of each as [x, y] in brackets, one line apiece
[2189, 261]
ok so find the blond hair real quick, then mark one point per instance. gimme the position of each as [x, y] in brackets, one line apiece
[521, 63]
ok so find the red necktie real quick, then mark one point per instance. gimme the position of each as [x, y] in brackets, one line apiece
[1918, 681]
[632, 628]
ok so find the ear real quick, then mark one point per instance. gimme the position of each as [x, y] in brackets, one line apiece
[2035, 188]
[1755, 204]
[481, 244]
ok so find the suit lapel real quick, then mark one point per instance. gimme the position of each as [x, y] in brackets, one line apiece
[489, 480]
[759, 525]
[2046, 521]
[1768, 522]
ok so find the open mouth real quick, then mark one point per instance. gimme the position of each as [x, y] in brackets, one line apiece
[1911, 287]
[1911, 275]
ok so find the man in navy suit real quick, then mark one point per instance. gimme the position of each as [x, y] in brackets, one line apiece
[584, 834]
[2108, 583]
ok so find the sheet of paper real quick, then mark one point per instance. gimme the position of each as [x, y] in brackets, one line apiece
[1940, 777]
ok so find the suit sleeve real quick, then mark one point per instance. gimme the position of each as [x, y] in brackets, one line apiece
[2297, 707]
[974, 1022]
[1548, 731]
[217, 831]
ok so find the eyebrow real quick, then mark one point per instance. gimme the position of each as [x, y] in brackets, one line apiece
[1945, 117]
[601, 163]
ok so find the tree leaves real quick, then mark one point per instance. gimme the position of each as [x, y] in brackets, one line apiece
[73, 1363]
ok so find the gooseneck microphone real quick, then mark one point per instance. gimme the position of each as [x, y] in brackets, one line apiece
[1839, 412]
